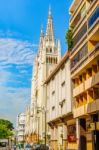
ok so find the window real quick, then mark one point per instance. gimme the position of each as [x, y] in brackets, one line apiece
[63, 84]
[50, 50]
[81, 54]
[46, 60]
[80, 34]
[53, 108]
[94, 17]
[53, 92]
[47, 50]
[96, 93]
[83, 11]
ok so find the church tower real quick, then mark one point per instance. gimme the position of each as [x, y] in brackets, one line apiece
[51, 45]
[49, 53]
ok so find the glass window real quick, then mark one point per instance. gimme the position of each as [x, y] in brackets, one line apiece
[94, 17]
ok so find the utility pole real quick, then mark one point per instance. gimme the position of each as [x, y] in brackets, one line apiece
[38, 129]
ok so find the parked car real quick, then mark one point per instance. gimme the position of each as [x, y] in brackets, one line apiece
[28, 147]
[44, 147]
[40, 147]
[36, 147]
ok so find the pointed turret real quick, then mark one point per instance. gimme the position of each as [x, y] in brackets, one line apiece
[49, 30]
[59, 50]
[41, 42]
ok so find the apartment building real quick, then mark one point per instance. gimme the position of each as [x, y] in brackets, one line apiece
[20, 127]
[84, 22]
[61, 124]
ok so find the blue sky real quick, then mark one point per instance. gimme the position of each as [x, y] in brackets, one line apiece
[20, 24]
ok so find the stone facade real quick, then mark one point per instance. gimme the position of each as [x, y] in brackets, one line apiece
[59, 103]
[49, 53]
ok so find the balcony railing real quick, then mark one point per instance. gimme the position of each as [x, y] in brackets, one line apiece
[78, 90]
[80, 34]
[92, 81]
[85, 58]
[82, 52]
[77, 38]
[86, 109]
[82, 18]
[76, 10]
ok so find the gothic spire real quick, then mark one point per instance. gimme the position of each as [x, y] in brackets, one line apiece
[49, 30]
[42, 33]
[41, 39]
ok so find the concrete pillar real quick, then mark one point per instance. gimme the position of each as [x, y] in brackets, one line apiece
[64, 136]
[77, 131]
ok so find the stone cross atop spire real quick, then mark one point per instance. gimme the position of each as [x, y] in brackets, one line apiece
[49, 30]
[49, 13]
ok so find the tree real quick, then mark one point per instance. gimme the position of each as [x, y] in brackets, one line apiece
[6, 128]
[7, 123]
[69, 39]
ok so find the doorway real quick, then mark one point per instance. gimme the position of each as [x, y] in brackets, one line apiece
[83, 141]
[95, 133]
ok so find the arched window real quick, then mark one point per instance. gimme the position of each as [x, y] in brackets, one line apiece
[47, 60]
[51, 60]
[56, 60]
[50, 50]
[47, 50]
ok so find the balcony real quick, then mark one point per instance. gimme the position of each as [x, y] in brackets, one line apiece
[88, 83]
[74, 8]
[92, 81]
[80, 35]
[79, 32]
[78, 90]
[85, 59]
[77, 112]
[82, 17]
[86, 109]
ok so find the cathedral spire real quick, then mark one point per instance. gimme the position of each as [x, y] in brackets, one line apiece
[49, 30]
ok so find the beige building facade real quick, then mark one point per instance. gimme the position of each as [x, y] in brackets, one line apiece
[61, 124]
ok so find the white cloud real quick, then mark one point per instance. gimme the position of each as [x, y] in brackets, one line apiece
[13, 101]
[14, 51]
[20, 54]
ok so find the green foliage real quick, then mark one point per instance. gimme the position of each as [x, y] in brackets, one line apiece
[6, 128]
[7, 123]
[69, 39]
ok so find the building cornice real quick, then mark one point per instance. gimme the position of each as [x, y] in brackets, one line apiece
[61, 119]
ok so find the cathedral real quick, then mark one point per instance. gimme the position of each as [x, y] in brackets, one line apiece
[48, 55]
